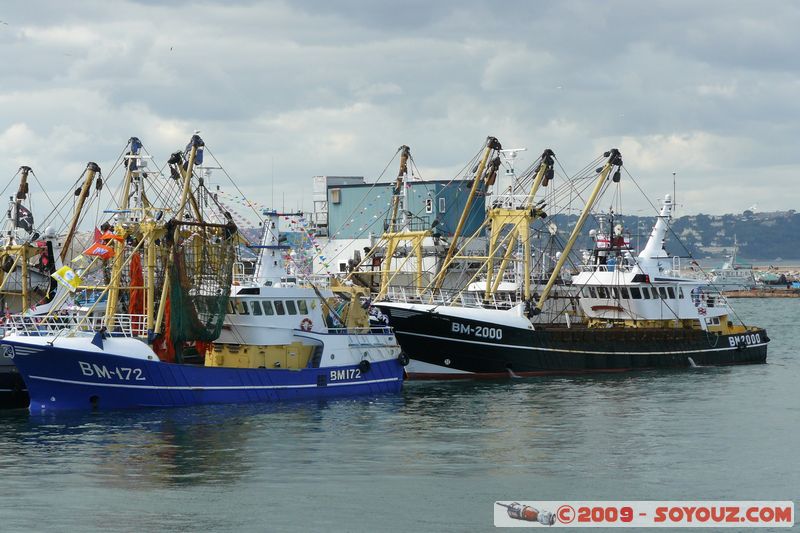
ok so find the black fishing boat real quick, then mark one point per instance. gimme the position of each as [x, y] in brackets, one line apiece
[620, 312]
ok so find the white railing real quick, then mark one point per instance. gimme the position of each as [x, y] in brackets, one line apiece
[366, 330]
[318, 280]
[709, 298]
[605, 268]
[509, 201]
[239, 275]
[122, 325]
[502, 300]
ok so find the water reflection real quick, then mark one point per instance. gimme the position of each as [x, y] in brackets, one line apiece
[174, 447]
[448, 428]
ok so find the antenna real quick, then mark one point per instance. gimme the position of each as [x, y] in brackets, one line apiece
[504, 187]
[510, 155]
[674, 197]
[272, 179]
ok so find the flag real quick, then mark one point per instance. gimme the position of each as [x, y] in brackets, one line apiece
[97, 340]
[98, 235]
[80, 261]
[110, 235]
[102, 251]
[67, 277]
[24, 219]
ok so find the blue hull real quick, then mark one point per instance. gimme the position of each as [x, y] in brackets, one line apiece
[60, 379]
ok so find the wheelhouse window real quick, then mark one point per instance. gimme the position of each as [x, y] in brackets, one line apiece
[291, 307]
[231, 308]
[302, 307]
[646, 293]
[279, 309]
[602, 292]
[662, 291]
[623, 292]
[636, 294]
[614, 293]
[671, 292]
[256, 307]
[268, 307]
[592, 292]
[241, 307]
[680, 292]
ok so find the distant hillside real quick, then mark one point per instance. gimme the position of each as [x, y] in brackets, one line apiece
[761, 236]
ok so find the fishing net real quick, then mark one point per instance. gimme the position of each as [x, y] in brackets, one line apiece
[201, 272]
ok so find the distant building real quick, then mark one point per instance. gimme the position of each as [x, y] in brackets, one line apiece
[355, 214]
[319, 216]
[356, 211]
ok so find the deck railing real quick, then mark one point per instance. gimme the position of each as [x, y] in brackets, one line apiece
[618, 267]
[122, 325]
[379, 330]
[502, 300]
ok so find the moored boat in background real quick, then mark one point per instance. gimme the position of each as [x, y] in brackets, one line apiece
[733, 276]
[28, 258]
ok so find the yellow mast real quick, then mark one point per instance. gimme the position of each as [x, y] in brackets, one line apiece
[405, 152]
[520, 220]
[22, 193]
[393, 241]
[545, 171]
[150, 293]
[614, 159]
[25, 287]
[195, 143]
[119, 246]
[89, 173]
[491, 144]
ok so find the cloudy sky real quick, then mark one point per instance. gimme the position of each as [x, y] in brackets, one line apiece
[710, 90]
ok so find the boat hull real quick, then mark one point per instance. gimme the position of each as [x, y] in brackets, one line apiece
[58, 379]
[444, 347]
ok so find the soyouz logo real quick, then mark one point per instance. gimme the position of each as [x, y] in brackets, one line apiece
[650, 514]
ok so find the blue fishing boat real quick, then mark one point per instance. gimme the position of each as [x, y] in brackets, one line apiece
[70, 372]
[171, 326]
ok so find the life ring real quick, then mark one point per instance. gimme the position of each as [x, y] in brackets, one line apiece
[306, 324]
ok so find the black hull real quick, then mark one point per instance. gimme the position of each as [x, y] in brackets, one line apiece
[13, 392]
[451, 344]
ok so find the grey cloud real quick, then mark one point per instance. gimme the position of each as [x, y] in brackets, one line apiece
[334, 87]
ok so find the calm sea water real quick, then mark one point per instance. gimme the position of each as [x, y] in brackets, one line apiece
[433, 458]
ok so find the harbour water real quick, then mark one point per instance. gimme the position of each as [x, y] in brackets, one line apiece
[433, 458]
